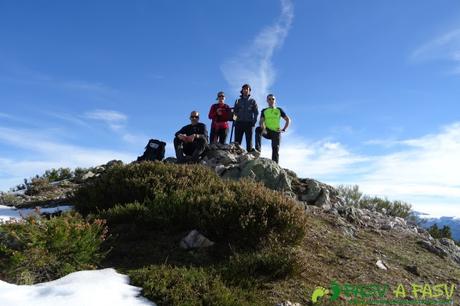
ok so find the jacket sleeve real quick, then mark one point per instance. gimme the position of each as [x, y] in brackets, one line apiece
[181, 131]
[204, 131]
[212, 113]
[255, 112]
[236, 108]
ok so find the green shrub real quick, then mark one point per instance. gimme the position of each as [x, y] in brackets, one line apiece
[391, 208]
[9, 199]
[185, 197]
[352, 196]
[60, 174]
[270, 263]
[136, 213]
[167, 285]
[436, 232]
[39, 185]
[36, 249]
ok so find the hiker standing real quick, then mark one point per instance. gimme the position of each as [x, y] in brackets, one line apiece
[270, 126]
[219, 114]
[191, 140]
[246, 112]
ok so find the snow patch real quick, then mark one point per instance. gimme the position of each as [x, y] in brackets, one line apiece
[8, 213]
[89, 288]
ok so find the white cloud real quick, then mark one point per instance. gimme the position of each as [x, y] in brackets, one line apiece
[108, 116]
[315, 159]
[444, 47]
[254, 64]
[42, 152]
[423, 171]
[425, 166]
[116, 121]
[95, 87]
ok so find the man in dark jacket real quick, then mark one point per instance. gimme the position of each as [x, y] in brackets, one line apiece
[246, 112]
[190, 141]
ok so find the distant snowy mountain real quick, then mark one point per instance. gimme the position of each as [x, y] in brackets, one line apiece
[429, 220]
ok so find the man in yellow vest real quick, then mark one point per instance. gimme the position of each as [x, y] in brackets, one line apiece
[270, 126]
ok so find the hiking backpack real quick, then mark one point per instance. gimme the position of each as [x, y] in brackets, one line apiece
[154, 150]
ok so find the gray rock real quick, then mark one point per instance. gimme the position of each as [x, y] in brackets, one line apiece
[324, 200]
[312, 191]
[221, 157]
[381, 265]
[233, 172]
[388, 225]
[195, 240]
[433, 248]
[170, 160]
[267, 172]
[412, 269]
[288, 303]
[87, 175]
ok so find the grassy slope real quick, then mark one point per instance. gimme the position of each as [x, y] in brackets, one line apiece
[327, 254]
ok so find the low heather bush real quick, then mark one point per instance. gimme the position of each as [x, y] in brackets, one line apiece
[36, 249]
[184, 197]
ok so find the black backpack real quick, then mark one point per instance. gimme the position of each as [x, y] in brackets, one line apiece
[154, 150]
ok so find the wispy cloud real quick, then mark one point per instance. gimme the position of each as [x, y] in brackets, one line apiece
[254, 65]
[40, 151]
[14, 71]
[68, 118]
[116, 121]
[444, 47]
[95, 87]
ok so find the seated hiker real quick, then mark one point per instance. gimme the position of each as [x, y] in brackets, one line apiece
[154, 150]
[270, 126]
[219, 113]
[190, 141]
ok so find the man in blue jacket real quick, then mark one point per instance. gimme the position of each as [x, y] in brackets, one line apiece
[246, 112]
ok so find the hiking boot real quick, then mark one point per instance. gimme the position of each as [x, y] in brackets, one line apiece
[254, 152]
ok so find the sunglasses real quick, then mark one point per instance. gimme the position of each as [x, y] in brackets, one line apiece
[221, 96]
[194, 117]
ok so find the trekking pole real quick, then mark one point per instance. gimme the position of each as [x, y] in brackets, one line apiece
[231, 132]
[233, 121]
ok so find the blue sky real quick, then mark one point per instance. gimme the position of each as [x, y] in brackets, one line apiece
[372, 87]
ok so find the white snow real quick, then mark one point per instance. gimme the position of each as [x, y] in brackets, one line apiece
[85, 288]
[7, 213]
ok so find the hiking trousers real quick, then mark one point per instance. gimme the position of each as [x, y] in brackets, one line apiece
[218, 135]
[275, 138]
[246, 128]
[189, 151]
